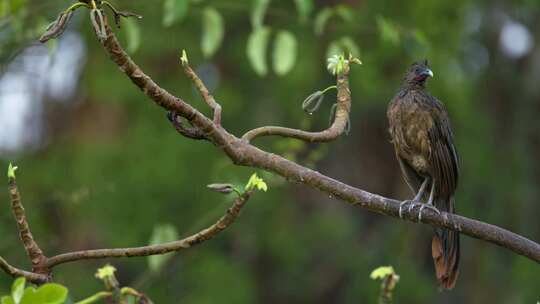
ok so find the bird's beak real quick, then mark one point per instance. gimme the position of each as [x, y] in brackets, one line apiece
[427, 73]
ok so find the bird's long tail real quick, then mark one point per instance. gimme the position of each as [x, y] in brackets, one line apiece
[445, 250]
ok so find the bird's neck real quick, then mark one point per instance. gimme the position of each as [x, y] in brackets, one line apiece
[413, 85]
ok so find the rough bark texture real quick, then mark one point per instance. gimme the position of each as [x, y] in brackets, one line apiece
[242, 153]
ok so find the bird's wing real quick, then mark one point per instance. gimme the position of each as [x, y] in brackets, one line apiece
[412, 178]
[443, 156]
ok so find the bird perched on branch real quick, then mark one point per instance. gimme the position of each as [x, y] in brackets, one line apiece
[423, 141]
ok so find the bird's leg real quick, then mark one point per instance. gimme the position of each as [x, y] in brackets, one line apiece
[416, 198]
[429, 205]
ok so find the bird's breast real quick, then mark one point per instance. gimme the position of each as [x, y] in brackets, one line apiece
[410, 123]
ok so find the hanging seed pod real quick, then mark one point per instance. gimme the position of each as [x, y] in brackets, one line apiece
[96, 16]
[57, 28]
[313, 102]
[222, 188]
[119, 14]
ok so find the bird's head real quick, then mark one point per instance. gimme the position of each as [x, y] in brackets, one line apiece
[417, 74]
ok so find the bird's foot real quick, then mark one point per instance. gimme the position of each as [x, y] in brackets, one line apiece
[416, 204]
[412, 204]
[429, 207]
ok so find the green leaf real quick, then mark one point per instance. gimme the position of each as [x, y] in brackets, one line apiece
[47, 294]
[162, 234]
[284, 52]
[184, 58]
[11, 171]
[213, 31]
[381, 272]
[256, 49]
[174, 10]
[7, 300]
[258, 12]
[345, 13]
[322, 19]
[256, 182]
[133, 34]
[17, 289]
[304, 7]
[337, 64]
[421, 38]
[388, 30]
[105, 272]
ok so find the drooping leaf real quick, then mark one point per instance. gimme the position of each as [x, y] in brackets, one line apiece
[174, 10]
[256, 49]
[213, 31]
[322, 19]
[258, 12]
[133, 34]
[162, 234]
[387, 30]
[17, 289]
[285, 49]
[421, 38]
[7, 300]
[304, 7]
[345, 13]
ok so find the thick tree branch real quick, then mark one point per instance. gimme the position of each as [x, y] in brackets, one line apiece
[189, 132]
[337, 128]
[244, 154]
[206, 234]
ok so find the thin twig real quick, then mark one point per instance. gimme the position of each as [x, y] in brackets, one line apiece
[205, 94]
[206, 234]
[16, 272]
[32, 248]
[337, 128]
[165, 99]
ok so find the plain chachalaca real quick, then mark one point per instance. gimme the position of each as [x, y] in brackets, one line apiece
[423, 141]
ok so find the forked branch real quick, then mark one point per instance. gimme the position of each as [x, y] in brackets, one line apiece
[341, 119]
[42, 266]
[244, 154]
[241, 152]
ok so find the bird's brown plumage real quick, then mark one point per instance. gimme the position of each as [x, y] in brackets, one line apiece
[423, 141]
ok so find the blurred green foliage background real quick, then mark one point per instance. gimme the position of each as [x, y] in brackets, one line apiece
[103, 167]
